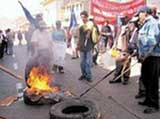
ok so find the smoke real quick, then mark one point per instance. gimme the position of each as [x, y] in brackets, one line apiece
[40, 58]
[41, 49]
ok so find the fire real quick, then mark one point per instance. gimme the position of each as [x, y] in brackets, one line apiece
[39, 81]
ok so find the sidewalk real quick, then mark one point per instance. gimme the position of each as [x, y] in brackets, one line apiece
[116, 101]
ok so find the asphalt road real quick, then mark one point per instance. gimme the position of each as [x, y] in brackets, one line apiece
[113, 101]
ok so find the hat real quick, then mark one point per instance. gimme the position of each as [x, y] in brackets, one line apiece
[42, 24]
[143, 9]
[134, 19]
[39, 15]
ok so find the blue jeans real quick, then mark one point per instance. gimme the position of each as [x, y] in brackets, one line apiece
[86, 64]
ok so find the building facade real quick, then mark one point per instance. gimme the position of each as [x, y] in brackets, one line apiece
[61, 10]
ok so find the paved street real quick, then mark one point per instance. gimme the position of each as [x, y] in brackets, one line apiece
[114, 101]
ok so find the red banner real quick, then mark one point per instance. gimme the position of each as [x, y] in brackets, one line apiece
[105, 9]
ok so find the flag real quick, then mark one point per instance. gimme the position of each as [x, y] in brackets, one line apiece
[29, 17]
[73, 20]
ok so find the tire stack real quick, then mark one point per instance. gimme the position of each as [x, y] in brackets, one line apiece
[74, 109]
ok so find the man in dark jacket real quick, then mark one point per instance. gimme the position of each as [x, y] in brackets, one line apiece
[149, 55]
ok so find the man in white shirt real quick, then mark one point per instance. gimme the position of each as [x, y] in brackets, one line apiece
[42, 44]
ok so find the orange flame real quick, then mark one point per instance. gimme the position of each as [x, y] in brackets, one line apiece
[39, 81]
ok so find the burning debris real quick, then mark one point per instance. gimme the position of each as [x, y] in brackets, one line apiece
[40, 91]
[8, 100]
[39, 81]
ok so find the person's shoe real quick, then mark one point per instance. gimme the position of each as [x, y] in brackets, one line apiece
[139, 95]
[89, 80]
[81, 77]
[150, 110]
[125, 81]
[144, 103]
[61, 71]
[115, 81]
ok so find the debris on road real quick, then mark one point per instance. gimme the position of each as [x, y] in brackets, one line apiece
[9, 100]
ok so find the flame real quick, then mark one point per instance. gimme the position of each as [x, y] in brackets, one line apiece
[39, 81]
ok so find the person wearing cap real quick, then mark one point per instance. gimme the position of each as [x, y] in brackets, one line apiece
[41, 36]
[123, 59]
[42, 43]
[149, 56]
[38, 18]
[122, 54]
[59, 39]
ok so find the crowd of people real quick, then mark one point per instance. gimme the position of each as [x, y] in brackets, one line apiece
[7, 39]
[6, 42]
[137, 36]
[140, 37]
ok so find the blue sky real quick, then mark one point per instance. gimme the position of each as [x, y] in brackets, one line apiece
[12, 9]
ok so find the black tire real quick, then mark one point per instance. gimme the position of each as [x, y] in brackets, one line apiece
[63, 110]
[28, 101]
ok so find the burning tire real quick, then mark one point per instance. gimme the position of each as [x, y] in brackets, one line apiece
[74, 109]
[40, 59]
[31, 101]
[34, 99]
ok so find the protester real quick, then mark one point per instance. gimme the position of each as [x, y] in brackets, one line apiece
[141, 88]
[129, 41]
[19, 36]
[149, 55]
[85, 46]
[59, 39]
[10, 38]
[122, 62]
[2, 38]
[43, 44]
[106, 34]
